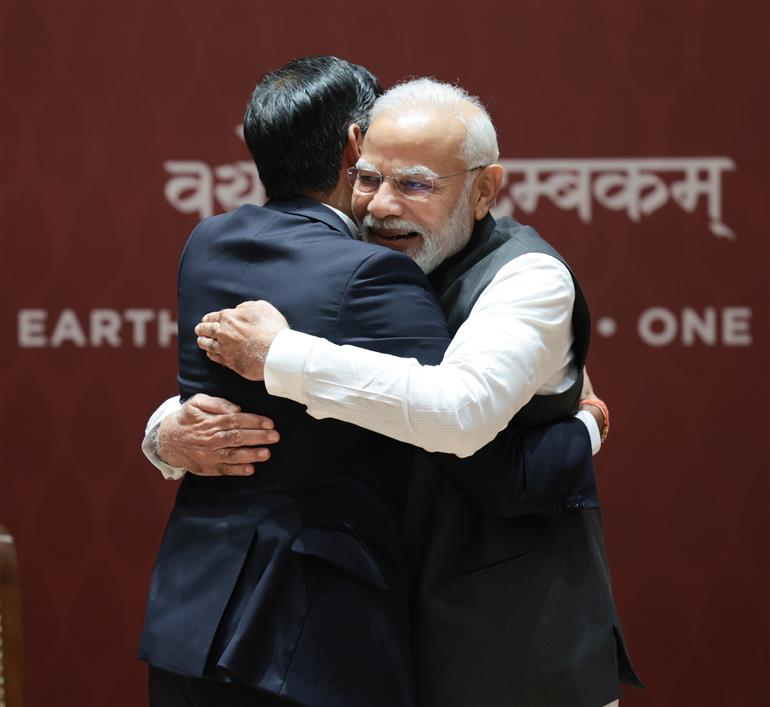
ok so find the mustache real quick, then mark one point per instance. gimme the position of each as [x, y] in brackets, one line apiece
[390, 224]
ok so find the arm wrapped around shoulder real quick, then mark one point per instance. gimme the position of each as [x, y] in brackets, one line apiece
[539, 470]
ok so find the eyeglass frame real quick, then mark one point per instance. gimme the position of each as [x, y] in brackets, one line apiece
[353, 173]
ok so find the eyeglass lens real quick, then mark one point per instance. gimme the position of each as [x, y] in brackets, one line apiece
[368, 181]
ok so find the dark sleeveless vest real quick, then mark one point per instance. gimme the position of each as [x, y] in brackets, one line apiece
[508, 611]
[460, 282]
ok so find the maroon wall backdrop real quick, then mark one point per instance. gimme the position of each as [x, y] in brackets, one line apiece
[102, 101]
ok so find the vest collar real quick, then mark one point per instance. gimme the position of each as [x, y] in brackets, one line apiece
[483, 240]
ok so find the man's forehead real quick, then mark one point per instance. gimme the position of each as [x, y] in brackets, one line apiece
[416, 119]
[417, 125]
[414, 139]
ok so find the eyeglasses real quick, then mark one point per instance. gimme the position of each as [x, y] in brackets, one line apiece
[412, 186]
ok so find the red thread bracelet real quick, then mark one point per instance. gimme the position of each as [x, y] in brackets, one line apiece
[605, 412]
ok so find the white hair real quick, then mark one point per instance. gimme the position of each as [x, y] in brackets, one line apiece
[480, 146]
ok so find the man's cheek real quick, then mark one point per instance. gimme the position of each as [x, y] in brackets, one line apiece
[359, 205]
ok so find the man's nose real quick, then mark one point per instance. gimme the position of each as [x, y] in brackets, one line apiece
[386, 201]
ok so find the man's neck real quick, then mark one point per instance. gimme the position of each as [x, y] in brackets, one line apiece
[339, 198]
[344, 214]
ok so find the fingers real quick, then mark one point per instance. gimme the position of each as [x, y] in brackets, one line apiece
[245, 438]
[239, 462]
[243, 455]
[236, 470]
[219, 406]
[210, 346]
[207, 329]
[250, 421]
[209, 436]
[213, 316]
[227, 470]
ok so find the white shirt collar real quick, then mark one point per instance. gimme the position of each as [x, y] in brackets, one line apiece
[345, 219]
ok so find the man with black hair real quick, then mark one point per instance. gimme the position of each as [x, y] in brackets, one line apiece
[288, 586]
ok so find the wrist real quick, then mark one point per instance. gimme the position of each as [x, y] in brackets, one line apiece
[153, 448]
[595, 413]
[598, 408]
[161, 446]
[152, 440]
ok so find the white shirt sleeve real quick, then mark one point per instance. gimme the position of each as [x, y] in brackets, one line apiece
[593, 429]
[517, 341]
[166, 408]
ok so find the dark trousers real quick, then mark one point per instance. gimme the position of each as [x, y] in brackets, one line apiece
[172, 690]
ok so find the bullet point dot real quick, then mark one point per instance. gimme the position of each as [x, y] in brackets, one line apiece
[606, 326]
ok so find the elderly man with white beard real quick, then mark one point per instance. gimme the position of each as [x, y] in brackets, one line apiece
[509, 606]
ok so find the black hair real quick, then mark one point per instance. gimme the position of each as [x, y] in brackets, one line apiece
[297, 121]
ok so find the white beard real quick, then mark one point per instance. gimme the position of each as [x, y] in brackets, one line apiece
[438, 244]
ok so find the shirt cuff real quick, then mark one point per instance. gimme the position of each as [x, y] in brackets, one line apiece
[593, 429]
[172, 473]
[168, 407]
[285, 364]
[163, 410]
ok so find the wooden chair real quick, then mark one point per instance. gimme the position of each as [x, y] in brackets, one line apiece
[11, 676]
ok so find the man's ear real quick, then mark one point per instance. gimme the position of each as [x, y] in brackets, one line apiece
[487, 185]
[353, 145]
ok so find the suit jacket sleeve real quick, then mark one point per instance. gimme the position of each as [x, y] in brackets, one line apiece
[390, 307]
[538, 470]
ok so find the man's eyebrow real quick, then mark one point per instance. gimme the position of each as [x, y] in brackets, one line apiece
[417, 170]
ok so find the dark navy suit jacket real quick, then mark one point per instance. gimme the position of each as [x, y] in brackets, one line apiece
[292, 580]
